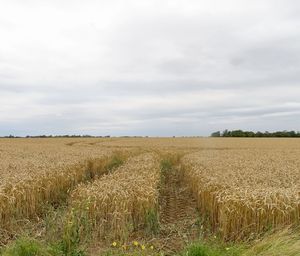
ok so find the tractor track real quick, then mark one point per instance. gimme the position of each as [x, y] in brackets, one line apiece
[178, 213]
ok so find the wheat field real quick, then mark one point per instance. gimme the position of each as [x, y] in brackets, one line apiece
[244, 192]
[119, 202]
[35, 172]
[242, 187]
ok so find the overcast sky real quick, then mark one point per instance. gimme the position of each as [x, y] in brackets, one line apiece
[141, 67]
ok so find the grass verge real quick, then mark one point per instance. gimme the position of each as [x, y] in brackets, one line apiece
[212, 249]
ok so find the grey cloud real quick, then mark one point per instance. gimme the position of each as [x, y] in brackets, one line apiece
[148, 68]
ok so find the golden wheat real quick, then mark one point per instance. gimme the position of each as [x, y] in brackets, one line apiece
[244, 186]
[245, 192]
[118, 202]
[37, 172]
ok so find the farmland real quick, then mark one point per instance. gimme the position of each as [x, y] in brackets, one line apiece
[146, 195]
[245, 192]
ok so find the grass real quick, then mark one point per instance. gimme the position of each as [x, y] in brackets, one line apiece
[169, 161]
[115, 162]
[136, 248]
[152, 221]
[212, 249]
[282, 243]
[200, 248]
[166, 165]
[26, 246]
[285, 242]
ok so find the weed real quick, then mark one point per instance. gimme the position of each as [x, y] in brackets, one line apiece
[152, 223]
[166, 165]
[71, 236]
[212, 249]
[115, 162]
[26, 247]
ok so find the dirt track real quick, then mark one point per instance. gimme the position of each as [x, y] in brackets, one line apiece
[178, 213]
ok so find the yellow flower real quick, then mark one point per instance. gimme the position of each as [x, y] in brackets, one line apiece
[151, 247]
[143, 247]
[135, 243]
[114, 244]
[227, 248]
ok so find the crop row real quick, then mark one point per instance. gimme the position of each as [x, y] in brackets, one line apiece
[27, 198]
[122, 201]
[243, 193]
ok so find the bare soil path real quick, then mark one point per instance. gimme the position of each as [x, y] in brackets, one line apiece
[178, 213]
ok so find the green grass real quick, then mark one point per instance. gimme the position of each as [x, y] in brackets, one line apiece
[283, 243]
[115, 162]
[27, 247]
[166, 165]
[152, 222]
[212, 249]
[131, 251]
[117, 159]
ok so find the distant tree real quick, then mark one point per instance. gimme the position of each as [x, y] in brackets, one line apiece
[249, 134]
[225, 133]
[259, 134]
[241, 133]
[237, 133]
[216, 134]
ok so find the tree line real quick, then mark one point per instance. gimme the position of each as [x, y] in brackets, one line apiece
[241, 133]
[55, 136]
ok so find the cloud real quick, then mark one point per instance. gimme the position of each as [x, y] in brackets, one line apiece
[148, 67]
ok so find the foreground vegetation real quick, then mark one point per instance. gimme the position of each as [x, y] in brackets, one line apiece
[285, 242]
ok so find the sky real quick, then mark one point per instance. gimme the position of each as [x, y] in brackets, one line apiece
[156, 68]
